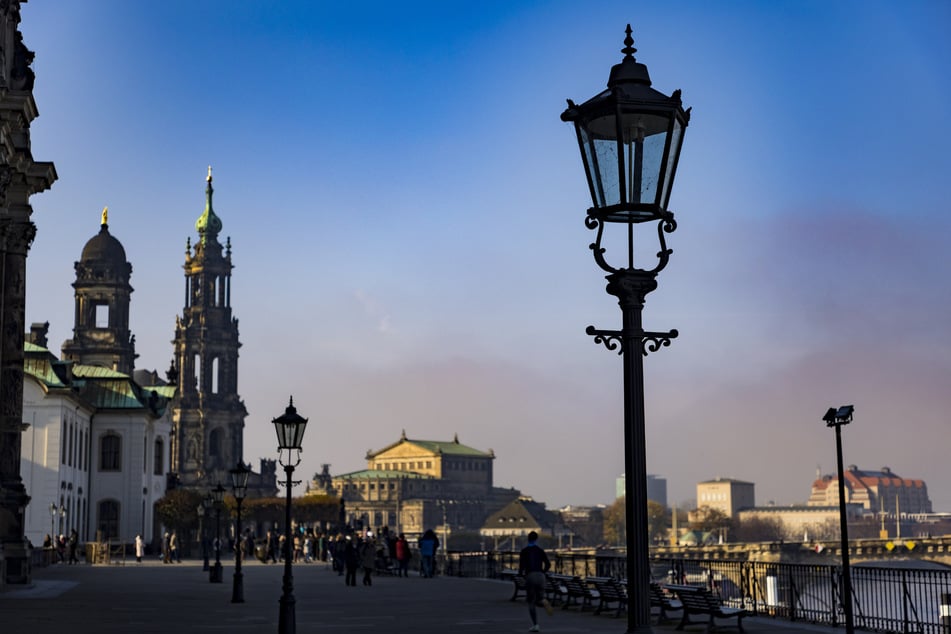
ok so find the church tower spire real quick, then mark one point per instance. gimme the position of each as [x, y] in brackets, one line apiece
[208, 417]
[101, 333]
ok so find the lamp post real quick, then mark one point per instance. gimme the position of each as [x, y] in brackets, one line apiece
[53, 522]
[630, 138]
[836, 418]
[201, 534]
[218, 496]
[239, 486]
[290, 433]
[62, 514]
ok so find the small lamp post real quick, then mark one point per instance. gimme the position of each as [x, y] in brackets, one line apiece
[207, 502]
[218, 496]
[53, 511]
[836, 418]
[201, 534]
[239, 487]
[290, 434]
[62, 514]
[630, 137]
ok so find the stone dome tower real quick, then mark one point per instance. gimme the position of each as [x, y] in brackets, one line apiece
[101, 333]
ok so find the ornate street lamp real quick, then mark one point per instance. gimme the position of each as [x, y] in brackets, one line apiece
[239, 487]
[290, 434]
[218, 497]
[836, 418]
[630, 137]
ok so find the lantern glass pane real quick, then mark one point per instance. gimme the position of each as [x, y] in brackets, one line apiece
[676, 138]
[598, 138]
[643, 142]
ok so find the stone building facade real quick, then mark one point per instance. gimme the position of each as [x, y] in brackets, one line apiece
[20, 177]
[726, 494]
[875, 491]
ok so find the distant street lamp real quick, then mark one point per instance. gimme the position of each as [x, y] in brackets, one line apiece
[201, 534]
[630, 138]
[62, 514]
[218, 497]
[239, 486]
[53, 511]
[290, 434]
[836, 418]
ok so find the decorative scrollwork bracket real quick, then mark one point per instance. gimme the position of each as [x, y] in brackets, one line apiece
[614, 340]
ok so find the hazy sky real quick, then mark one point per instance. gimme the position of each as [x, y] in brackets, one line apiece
[406, 214]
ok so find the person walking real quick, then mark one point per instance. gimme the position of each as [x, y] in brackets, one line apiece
[403, 555]
[368, 560]
[428, 544]
[174, 555]
[533, 564]
[73, 546]
[350, 557]
[166, 548]
[139, 548]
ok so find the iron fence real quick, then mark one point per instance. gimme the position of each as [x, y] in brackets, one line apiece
[890, 600]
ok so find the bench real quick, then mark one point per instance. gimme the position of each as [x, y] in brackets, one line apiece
[574, 591]
[517, 579]
[664, 602]
[699, 600]
[609, 591]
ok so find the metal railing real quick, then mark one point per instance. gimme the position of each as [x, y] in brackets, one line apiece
[884, 599]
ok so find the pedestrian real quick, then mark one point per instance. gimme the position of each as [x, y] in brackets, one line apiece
[533, 564]
[73, 546]
[174, 555]
[350, 557]
[167, 548]
[368, 559]
[403, 555]
[139, 548]
[428, 544]
[61, 547]
[270, 547]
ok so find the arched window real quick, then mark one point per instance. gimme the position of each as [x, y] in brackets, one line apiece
[107, 519]
[215, 369]
[159, 457]
[110, 448]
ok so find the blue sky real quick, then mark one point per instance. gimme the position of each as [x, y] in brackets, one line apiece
[406, 213]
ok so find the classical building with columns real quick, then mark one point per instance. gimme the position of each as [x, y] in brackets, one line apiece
[20, 177]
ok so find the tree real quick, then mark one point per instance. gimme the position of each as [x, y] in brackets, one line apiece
[759, 529]
[179, 509]
[615, 522]
[707, 519]
[615, 532]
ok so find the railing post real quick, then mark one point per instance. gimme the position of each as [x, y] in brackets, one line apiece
[945, 611]
[904, 603]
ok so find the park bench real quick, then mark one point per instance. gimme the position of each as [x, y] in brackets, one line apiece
[664, 602]
[699, 600]
[609, 591]
[518, 581]
[574, 591]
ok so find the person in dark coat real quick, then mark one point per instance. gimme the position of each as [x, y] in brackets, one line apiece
[533, 564]
[351, 559]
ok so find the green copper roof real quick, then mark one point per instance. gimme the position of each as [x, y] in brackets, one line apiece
[454, 448]
[208, 224]
[39, 363]
[382, 474]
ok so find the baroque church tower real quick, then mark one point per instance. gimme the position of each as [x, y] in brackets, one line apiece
[208, 417]
[101, 335]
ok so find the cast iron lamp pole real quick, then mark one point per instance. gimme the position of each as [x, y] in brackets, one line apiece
[630, 138]
[207, 502]
[201, 533]
[218, 495]
[836, 418]
[52, 523]
[239, 486]
[290, 433]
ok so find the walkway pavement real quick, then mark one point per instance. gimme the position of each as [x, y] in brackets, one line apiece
[178, 599]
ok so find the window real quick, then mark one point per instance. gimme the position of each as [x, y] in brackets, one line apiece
[108, 520]
[110, 446]
[159, 457]
[102, 315]
[215, 369]
[214, 444]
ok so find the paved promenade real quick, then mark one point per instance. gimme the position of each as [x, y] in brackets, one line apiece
[178, 599]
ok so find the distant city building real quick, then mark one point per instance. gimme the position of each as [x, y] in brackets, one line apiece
[656, 488]
[876, 491]
[517, 519]
[584, 525]
[726, 494]
[413, 485]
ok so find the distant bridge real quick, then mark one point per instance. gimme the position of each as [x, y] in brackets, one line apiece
[933, 549]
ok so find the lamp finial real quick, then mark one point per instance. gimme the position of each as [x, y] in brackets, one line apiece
[628, 49]
[105, 216]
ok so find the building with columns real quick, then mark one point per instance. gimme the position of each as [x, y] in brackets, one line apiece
[20, 177]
